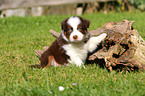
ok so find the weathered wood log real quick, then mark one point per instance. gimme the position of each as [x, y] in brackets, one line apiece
[123, 47]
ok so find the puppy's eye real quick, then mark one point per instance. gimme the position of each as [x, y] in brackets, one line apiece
[79, 29]
[69, 30]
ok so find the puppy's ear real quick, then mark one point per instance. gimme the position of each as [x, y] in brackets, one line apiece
[63, 24]
[86, 22]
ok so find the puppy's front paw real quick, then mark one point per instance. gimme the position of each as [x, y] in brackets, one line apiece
[94, 41]
[102, 36]
[79, 63]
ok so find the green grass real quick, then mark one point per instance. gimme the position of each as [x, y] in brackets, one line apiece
[19, 37]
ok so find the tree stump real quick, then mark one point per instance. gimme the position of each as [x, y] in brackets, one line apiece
[122, 49]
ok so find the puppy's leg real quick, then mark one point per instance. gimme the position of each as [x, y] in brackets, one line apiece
[94, 41]
[51, 62]
[50, 59]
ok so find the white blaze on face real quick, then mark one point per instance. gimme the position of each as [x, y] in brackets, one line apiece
[75, 35]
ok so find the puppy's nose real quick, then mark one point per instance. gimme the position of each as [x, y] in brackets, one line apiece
[75, 37]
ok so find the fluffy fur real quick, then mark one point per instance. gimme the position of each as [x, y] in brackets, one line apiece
[78, 51]
[73, 44]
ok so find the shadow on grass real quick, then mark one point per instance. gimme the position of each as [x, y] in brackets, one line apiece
[118, 68]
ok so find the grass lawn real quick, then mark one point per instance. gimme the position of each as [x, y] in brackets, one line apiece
[19, 37]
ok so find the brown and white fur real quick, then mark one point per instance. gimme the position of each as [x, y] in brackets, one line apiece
[73, 45]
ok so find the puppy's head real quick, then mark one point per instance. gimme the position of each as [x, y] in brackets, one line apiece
[74, 29]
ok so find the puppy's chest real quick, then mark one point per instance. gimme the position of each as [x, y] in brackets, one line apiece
[76, 51]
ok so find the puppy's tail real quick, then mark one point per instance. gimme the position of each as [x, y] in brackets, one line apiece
[36, 66]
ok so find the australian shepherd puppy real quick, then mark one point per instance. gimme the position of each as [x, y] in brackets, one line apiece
[73, 44]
